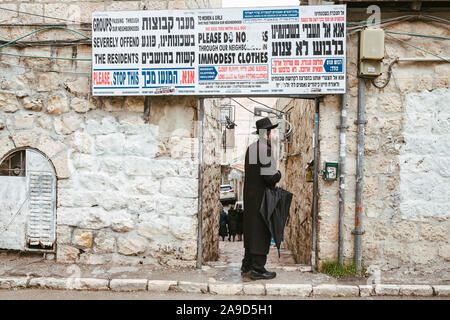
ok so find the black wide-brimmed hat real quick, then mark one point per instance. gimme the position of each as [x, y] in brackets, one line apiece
[264, 123]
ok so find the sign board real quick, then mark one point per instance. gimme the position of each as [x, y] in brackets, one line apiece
[217, 52]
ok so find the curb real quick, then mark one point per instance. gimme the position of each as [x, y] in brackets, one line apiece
[223, 288]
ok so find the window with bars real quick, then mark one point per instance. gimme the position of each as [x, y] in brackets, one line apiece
[14, 165]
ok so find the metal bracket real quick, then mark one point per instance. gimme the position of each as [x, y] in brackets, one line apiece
[360, 122]
[341, 127]
[147, 105]
[358, 232]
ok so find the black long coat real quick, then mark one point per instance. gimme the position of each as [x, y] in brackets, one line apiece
[256, 234]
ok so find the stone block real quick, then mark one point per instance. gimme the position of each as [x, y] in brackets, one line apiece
[48, 82]
[104, 242]
[77, 86]
[442, 290]
[131, 245]
[110, 144]
[82, 105]
[387, 290]
[121, 221]
[180, 187]
[300, 290]
[257, 289]
[183, 227]
[92, 284]
[61, 163]
[106, 125]
[128, 284]
[93, 259]
[226, 288]
[82, 142]
[366, 290]
[63, 234]
[190, 287]
[49, 283]
[160, 285]
[67, 254]
[23, 121]
[68, 123]
[82, 238]
[154, 228]
[444, 252]
[13, 282]
[416, 290]
[137, 166]
[57, 104]
[434, 233]
[8, 102]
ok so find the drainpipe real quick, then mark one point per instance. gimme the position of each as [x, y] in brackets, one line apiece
[342, 128]
[358, 231]
[200, 184]
[315, 185]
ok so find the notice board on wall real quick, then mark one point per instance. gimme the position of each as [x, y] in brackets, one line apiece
[220, 52]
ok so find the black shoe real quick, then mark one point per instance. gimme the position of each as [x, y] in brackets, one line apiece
[245, 269]
[266, 275]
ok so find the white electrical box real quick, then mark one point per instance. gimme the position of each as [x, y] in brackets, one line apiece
[372, 44]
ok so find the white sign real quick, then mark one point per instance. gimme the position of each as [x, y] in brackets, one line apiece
[216, 52]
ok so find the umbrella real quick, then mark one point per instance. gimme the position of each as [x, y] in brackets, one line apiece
[274, 210]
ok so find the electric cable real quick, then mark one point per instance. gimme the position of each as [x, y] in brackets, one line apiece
[265, 105]
[388, 78]
[411, 45]
[44, 70]
[418, 35]
[40, 15]
[242, 105]
[42, 29]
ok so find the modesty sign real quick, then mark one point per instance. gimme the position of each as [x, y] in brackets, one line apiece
[216, 52]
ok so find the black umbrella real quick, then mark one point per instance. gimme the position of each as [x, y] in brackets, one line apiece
[274, 209]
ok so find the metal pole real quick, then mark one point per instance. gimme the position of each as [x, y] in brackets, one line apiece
[315, 185]
[342, 128]
[358, 231]
[200, 184]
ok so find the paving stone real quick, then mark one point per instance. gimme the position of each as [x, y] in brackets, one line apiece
[128, 284]
[387, 290]
[442, 291]
[255, 289]
[13, 282]
[50, 283]
[366, 291]
[332, 290]
[90, 284]
[191, 287]
[226, 288]
[301, 290]
[416, 290]
[160, 285]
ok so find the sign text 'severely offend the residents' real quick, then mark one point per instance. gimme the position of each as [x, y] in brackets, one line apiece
[216, 52]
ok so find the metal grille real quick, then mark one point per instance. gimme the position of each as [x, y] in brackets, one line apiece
[41, 224]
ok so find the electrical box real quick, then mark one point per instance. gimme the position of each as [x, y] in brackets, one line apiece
[372, 44]
[330, 171]
[371, 52]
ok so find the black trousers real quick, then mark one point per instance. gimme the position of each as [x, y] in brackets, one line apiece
[254, 261]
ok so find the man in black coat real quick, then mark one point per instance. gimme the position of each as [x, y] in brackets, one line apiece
[260, 172]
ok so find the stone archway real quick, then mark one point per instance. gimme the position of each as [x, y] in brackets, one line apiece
[28, 206]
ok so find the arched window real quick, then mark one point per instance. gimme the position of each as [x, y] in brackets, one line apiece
[27, 201]
[14, 165]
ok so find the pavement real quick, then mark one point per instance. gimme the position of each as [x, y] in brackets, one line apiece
[218, 278]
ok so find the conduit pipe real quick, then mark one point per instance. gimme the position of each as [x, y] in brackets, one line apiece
[342, 127]
[315, 185]
[360, 122]
[200, 184]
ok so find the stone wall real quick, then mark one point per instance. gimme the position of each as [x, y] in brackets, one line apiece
[127, 190]
[407, 159]
[211, 180]
[405, 220]
[297, 236]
